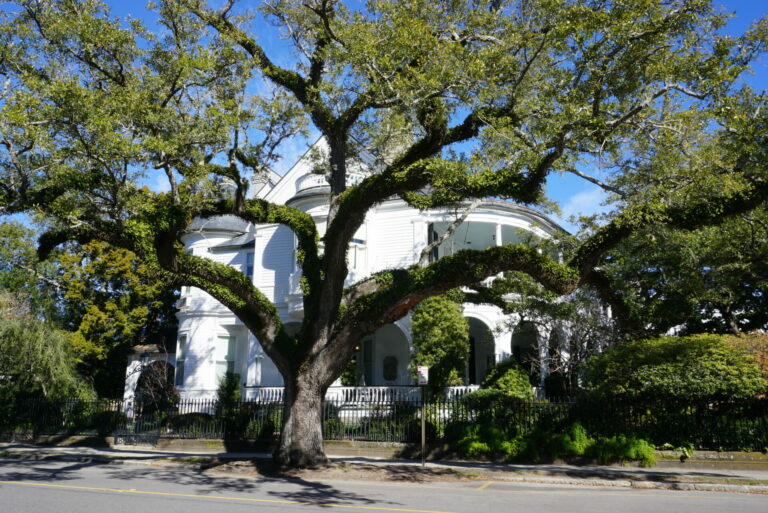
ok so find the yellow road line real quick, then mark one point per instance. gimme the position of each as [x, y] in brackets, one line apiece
[222, 497]
[484, 486]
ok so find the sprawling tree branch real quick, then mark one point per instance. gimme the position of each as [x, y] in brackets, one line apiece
[389, 295]
[688, 217]
[298, 85]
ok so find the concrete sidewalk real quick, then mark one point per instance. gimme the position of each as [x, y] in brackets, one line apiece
[679, 478]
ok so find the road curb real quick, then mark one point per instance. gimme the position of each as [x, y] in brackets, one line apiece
[52, 456]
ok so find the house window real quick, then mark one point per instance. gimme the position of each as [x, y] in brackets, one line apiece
[181, 352]
[225, 355]
[249, 264]
[432, 237]
[389, 368]
[357, 255]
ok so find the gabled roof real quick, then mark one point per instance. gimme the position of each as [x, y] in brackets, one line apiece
[285, 188]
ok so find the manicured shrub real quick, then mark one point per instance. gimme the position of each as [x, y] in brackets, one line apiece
[194, 425]
[227, 406]
[440, 340]
[333, 429]
[693, 367]
[509, 378]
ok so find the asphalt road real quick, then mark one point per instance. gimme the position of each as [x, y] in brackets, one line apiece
[64, 487]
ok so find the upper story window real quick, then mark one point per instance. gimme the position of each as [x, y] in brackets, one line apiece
[249, 264]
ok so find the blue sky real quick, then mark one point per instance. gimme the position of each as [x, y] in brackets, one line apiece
[579, 197]
[574, 195]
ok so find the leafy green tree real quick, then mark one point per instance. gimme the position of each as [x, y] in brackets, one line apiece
[112, 302]
[22, 274]
[103, 296]
[441, 340]
[485, 99]
[714, 279]
[694, 367]
[36, 360]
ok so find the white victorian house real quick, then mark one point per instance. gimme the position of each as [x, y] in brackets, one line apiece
[211, 340]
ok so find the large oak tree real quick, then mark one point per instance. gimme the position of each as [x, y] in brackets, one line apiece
[455, 100]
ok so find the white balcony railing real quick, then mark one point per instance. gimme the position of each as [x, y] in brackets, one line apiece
[310, 181]
[316, 181]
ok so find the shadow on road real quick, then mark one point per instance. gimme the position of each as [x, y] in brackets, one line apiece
[205, 480]
[42, 470]
[202, 482]
[324, 494]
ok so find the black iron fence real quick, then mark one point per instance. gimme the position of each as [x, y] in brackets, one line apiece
[727, 425]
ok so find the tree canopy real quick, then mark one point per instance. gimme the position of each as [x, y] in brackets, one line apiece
[101, 298]
[483, 99]
[713, 280]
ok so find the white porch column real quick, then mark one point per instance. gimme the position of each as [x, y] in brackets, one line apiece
[132, 373]
[542, 335]
[255, 356]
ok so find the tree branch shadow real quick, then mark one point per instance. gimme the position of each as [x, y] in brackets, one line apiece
[37, 470]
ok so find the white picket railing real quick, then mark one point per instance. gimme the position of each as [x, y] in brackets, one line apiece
[339, 394]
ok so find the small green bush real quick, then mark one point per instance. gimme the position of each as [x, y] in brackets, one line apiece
[510, 378]
[193, 424]
[228, 406]
[106, 422]
[576, 441]
[483, 440]
[622, 448]
[265, 420]
[548, 444]
[333, 429]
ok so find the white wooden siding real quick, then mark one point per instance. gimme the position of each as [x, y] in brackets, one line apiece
[393, 239]
[273, 261]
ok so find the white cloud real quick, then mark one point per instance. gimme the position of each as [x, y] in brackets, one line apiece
[160, 183]
[586, 203]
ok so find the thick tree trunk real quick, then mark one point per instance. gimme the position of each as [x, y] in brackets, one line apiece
[301, 438]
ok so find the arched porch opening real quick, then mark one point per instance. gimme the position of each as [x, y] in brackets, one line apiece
[482, 351]
[384, 357]
[524, 347]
